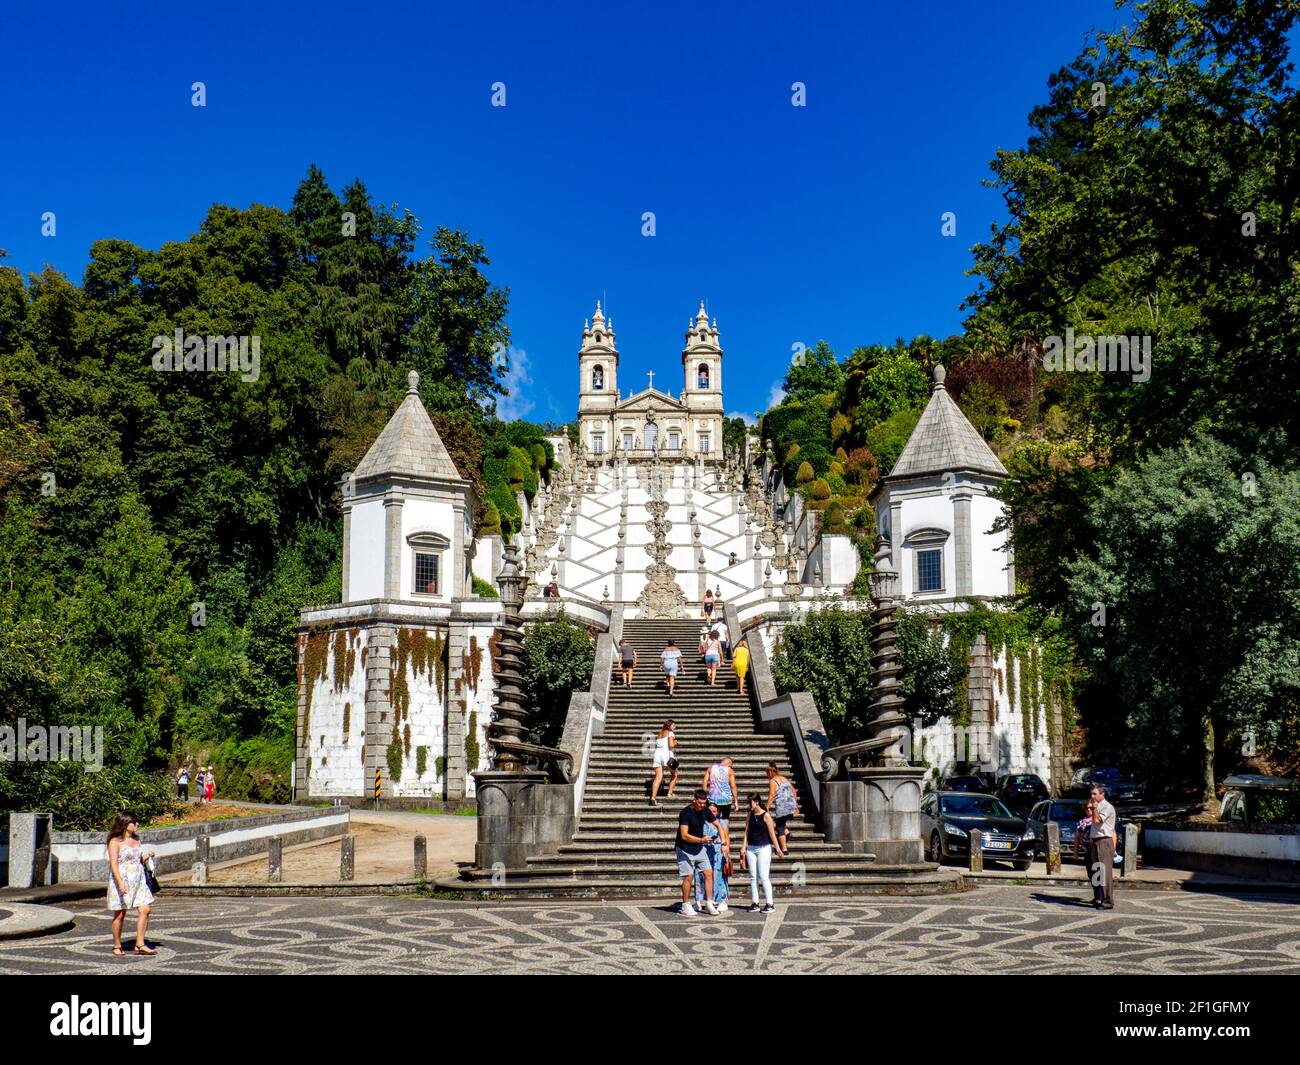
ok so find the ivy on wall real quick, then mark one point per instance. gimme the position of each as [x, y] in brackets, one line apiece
[347, 721]
[421, 760]
[1041, 669]
[471, 743]
[395, 754]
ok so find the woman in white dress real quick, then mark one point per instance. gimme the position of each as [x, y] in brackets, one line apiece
[665, 757]
[127, 889]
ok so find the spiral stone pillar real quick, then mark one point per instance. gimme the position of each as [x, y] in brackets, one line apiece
[891, 799]
[510, 712]
[520, 812]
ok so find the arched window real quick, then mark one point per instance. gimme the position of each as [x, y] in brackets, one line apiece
[598, 379]
[702, 375]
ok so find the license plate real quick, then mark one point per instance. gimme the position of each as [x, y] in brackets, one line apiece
[997, 845]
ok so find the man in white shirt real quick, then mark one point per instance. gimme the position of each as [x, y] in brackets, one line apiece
[723, 634]
[1101, 849]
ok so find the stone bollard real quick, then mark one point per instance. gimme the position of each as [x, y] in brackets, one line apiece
[30, 850]
[421, 858]
[274, 859]
[1130, 849]
[199, 876]
[1053, 848]
[347, 857]
[976, 851]
[201, 847]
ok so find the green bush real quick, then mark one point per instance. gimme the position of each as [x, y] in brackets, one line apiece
[805, 474]
[484, 589]
[838, 486]
[820, 489]
[490, 520]
[558, 658]
[887, 440]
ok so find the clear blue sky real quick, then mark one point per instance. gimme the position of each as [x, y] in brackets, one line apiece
[795, 224]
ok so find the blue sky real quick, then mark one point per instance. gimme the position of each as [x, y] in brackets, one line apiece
[793, 223]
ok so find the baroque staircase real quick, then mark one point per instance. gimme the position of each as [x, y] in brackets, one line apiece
[624, 847]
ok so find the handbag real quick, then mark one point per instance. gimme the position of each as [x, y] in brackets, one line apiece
[726, 868]
[150, 879]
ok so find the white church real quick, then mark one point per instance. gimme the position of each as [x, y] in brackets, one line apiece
[396, 681]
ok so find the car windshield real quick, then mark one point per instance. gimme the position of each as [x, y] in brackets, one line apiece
[1067, 811]
[1024, 780]
[973, 806]
[1105, 774]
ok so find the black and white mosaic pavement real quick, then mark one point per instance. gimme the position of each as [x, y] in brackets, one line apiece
[993, 930]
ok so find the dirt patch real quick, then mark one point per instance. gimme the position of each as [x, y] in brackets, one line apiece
[385, 851]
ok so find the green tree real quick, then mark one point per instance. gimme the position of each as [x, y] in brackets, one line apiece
[1191, 603]
[828, 653]
[813, 372]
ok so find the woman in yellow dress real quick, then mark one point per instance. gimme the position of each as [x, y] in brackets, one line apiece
[740, 660]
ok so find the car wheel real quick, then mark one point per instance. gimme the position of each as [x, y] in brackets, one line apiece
[1021, 865]
[935, 851]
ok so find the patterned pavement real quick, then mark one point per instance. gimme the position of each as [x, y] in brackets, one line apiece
[992, 930]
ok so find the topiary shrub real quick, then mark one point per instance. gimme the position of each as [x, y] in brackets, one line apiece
[490, 520]
[820, 489]
[805, 474]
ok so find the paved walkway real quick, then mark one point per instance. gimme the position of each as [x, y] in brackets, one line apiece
[996, 929]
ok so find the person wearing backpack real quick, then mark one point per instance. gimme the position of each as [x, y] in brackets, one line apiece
[782, 801]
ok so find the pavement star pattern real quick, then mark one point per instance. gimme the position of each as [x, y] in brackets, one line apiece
[1008, 930]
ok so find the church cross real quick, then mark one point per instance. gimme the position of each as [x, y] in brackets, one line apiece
[651, 374]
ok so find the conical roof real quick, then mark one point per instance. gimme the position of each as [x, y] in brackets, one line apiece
[943, 441]
[409, 446]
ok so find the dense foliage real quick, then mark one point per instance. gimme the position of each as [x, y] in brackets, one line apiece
[160, 531]
[1156, 199]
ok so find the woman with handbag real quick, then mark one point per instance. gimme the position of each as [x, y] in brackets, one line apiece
[128, 882]
[718, 849]
[665, 757]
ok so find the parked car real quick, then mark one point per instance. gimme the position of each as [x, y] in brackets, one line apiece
[1021, 790]
[1255, 799]
[947, 818]
[1120, 787]
[963, 784]
[1066, 813]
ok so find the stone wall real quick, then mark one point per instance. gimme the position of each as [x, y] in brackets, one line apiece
[83, 856]
[1229, 848]
[394, 700]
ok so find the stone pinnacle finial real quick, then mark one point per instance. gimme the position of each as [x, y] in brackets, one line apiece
[412, 383]
[939, 374]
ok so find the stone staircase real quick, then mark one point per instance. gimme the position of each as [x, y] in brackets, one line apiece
[625, 847]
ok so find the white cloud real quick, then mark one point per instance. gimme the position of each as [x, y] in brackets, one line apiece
[777, 394]
[748, 419]
[518, 402]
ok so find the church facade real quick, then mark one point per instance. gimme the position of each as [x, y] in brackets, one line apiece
[677, 427]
